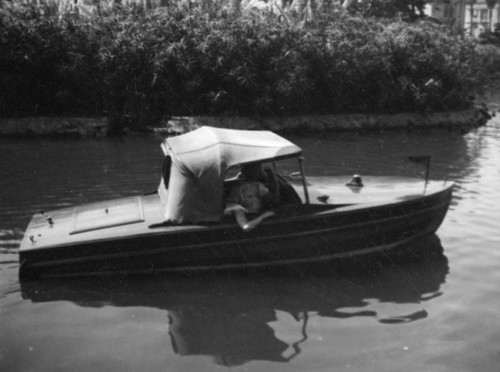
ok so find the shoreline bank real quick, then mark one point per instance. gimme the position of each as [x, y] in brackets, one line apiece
[79, 127]
[456, 120]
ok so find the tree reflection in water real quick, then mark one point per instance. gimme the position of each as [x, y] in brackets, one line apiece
[228, 315]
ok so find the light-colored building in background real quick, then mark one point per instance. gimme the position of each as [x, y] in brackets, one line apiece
[451, 12]
[472, 17]
[480, 18]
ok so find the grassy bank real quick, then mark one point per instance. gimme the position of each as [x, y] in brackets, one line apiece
[140, 66]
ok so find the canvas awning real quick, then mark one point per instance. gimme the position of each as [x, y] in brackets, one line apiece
[200, 160]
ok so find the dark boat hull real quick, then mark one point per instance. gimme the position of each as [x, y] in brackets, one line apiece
[301, 234]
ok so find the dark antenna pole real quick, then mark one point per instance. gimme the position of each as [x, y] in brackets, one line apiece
[427, 167]
[425, 160]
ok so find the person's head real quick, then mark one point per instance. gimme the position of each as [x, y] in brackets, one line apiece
[250, 197]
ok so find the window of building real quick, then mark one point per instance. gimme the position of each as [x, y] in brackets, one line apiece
[484, 17]
[448, 12]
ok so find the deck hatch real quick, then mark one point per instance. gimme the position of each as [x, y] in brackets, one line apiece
[105, 215]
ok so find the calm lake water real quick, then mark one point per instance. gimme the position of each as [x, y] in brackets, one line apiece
[434, 313]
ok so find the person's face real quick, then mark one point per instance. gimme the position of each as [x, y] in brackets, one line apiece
[250, 199]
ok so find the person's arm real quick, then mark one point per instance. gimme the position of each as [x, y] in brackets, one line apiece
[249, 225]
[232, 208]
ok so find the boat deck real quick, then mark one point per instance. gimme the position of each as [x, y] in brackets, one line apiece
[142, 215]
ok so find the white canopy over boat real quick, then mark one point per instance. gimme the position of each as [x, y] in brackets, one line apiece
[192, 189]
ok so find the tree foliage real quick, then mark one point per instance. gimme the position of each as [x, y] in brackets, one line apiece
[139, 65]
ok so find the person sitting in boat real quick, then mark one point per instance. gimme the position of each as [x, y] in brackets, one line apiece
[253, 198]
[280, 191]
[255, 172]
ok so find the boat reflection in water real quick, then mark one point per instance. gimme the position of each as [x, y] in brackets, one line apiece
[230, 316]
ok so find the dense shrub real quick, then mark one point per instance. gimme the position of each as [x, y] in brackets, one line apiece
[491, 38]
[145, 65]
[49, 67]
[489, 59]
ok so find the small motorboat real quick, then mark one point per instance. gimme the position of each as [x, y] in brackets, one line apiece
[182, 227]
